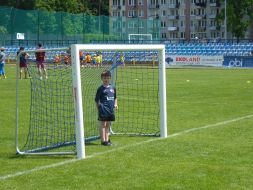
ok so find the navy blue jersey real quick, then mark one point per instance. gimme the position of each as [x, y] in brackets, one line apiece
[105, 98]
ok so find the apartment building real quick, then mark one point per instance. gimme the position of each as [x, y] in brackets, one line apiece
[177, 19]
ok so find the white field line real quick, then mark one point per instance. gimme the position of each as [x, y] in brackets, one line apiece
[120, 148]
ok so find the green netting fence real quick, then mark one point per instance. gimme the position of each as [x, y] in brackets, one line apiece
[61, 28]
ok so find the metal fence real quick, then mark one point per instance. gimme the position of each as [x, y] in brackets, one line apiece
[62, 28]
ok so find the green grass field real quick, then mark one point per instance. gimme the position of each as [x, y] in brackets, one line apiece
[210, 119]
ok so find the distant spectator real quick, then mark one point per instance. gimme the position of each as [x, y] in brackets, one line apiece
[67, 57]
[81, 57]
[251, 53]
[57, 59]
[2, 62]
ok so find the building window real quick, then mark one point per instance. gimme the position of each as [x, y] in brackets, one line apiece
[141, 13]
[164, 13]
[173, 35]
[141, 2]
[182, 34]
[182, 23]
[133, 24]
[116, 2]
[141, 24]
[132, 13]
[116, 13]
[163, 2]
[132, 2]
[164, 35]
[163, 24]
[116, 24]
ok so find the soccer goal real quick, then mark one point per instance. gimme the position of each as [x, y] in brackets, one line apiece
[140, 38]
[57, 114]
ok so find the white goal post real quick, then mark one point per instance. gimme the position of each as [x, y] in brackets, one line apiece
[77, 84]
[57, 111]
[139, 37]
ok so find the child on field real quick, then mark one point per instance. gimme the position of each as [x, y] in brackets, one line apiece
[22, 62]
[106, 101]
[122, 59]
[2, 62]
[40, 59]
[67, 57]
[81, 57]
[88, 59]
[57, 59]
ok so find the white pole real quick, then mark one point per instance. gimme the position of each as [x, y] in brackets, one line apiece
[17, 102]
[162, 92]
[77, 93]
[225, 21]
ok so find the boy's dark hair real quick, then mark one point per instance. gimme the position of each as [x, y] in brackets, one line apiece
[106, 73]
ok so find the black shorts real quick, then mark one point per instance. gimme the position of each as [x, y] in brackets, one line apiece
[110, 118]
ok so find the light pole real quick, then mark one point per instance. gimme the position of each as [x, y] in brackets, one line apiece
[99, 12]
[225, 20]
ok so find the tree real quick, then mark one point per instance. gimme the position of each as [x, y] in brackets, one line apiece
[92, 7]
[239, 16]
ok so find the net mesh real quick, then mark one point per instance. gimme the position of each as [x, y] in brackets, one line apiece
[51, 121]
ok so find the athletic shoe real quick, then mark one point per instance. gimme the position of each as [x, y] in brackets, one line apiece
[106, 143]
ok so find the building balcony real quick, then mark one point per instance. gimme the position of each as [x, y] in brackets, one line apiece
[201, 4]
[212, 4]
[200, 28]
[192, 28]
[212, 16]
[199, 17]
[192, 16]
[154, 6]
[174, 6]
[173, 17]
[172, 28]
[212, 27]
[216, 4]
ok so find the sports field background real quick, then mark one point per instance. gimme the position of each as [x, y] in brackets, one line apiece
[210, 119]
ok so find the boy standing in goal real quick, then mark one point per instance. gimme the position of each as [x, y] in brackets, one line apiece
[106, 101]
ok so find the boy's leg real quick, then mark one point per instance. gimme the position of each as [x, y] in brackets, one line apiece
[40, 73]
[102, 131]
[107, 131]
[4, 73]
[25, 71]
[39, 70]
[45, 72]
[20, 73]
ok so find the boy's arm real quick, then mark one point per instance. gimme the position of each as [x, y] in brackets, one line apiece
[97, 98]
[116, 103]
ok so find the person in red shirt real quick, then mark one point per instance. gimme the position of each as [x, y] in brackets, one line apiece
[40, 61]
